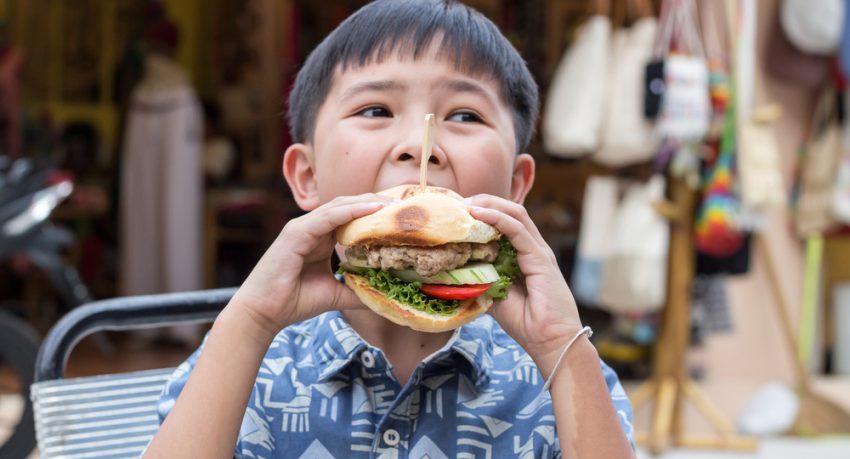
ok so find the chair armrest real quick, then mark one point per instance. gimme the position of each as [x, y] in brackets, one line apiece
[125, 313]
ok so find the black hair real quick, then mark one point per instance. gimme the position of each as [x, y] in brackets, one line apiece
[408, 27]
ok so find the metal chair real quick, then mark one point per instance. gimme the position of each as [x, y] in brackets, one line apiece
[113, 415]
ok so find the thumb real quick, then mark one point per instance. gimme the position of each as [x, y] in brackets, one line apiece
[344, 298]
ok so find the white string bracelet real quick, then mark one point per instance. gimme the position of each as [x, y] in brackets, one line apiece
[584, 331]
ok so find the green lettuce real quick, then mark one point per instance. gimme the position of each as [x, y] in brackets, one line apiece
[404, 292]
[508, 269]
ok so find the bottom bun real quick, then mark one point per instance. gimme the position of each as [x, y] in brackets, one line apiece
[403, 314]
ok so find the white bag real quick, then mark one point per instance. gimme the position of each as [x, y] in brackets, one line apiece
[813, 26]
[841, 192]
[818, 170]
[573, 113]
[841, 195]
[634, 276]
[686, 106]
[628, 137]
[759, 168]
[599, 208]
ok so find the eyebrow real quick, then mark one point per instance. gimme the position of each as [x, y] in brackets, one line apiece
[466, 86]
[367, 86]
[453, 85]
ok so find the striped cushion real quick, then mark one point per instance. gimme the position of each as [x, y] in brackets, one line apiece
[109, 416]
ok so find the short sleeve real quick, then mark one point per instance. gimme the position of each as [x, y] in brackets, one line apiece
[254, 439]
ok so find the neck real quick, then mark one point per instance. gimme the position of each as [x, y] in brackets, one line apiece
[405, 348]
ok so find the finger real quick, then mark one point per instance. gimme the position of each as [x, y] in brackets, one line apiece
[511, 208]
[530, 252]
[344, 209]
[345, 299]
[324, 220]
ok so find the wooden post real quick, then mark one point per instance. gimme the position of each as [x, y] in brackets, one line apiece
[672, 344]
[670, 385]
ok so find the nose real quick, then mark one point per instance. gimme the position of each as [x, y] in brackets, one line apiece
[409, 149]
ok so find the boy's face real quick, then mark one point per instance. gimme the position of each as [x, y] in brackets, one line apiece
[370, 130]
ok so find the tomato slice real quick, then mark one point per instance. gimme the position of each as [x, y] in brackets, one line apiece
[455, 292]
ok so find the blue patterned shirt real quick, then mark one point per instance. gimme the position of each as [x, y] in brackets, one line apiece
[323, 392]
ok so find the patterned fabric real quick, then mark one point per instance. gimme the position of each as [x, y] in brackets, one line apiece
[323, 392]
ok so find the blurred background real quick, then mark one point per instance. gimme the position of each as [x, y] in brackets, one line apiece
[693, 181]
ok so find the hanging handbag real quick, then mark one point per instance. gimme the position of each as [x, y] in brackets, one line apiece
[819, 166]
[717, 229]
[627, 137]
[599, 207]
[759, 168]
[634, 276]
[572, 117]
[814, 27]
[685, 106]
[841, 193]
[758, 158]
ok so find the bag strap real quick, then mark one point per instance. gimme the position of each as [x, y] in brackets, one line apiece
[678, 20]
[665, 30]
[690, 27]
[715, 30]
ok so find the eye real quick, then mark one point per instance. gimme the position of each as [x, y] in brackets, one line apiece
[375, 112]
[465, 117]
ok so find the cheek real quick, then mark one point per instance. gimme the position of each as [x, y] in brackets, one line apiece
[487, 170]
[345, 167]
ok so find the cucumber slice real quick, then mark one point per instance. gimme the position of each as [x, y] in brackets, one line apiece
[353, 268]
[474, 273]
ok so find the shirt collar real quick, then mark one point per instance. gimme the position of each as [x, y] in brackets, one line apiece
[335, 344]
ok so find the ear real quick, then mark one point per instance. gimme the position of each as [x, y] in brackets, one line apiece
[522, 178]
[298, 169]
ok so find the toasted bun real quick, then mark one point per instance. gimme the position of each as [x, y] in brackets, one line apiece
[407, 316]
[434, 217]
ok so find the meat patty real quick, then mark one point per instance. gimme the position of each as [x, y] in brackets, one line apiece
[426, 261]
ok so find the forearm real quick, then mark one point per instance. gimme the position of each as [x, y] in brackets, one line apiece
[206, 418]
[586, 421]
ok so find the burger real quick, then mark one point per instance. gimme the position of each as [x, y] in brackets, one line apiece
[425, 262]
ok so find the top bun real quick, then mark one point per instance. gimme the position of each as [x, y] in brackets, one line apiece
[427, 218]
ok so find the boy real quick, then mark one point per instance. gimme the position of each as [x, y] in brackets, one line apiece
[295, 366]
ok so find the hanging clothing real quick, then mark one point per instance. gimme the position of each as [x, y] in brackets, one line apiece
[161, 190]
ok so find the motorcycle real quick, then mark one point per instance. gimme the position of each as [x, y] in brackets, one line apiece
[29, 193]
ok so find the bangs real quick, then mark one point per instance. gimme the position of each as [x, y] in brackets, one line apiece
[460, 40]
[410, 29]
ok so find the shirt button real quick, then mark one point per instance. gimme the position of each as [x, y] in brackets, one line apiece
[391, 437]
[367, 359]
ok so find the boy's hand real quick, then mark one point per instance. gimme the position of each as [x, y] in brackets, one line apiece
[540, 312]
[293, 280]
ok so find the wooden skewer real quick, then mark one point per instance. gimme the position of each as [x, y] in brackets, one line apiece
[427, 144]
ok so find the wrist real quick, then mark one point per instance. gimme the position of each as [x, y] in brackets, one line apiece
[247, 326]
[581, 351]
